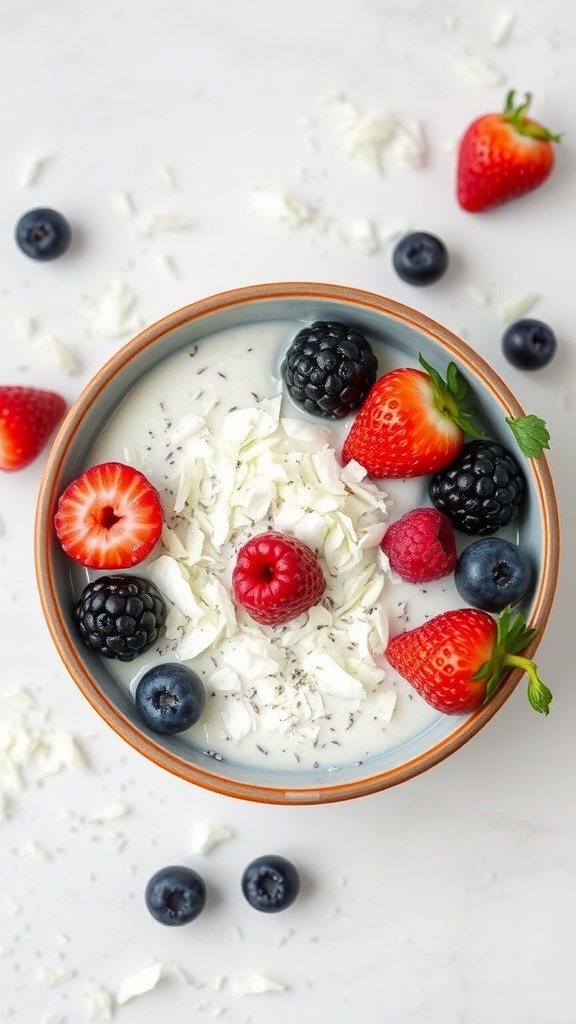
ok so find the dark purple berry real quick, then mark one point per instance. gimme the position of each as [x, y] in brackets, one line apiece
[43, 234]
[420, 258]
[175, 895]
[492, 573]
[170, 698]
[529, 344]
[270, 883]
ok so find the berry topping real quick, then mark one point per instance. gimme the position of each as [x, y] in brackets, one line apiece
[276, 578]
[170, 698]
[329, 369]
[503, 156]
[110, 517]
[27, 418]
[120, 616]
[492, 573]
[420, 258]
[412, 422]
[420, 546]
[457, 660]
[481, 490]
[270, 883]
[529, 344]
[175, 895]
[43, 234]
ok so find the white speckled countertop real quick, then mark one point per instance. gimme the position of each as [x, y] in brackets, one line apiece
[154, 127]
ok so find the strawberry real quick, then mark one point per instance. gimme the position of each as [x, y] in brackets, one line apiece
[110, 517]
[457, 660]
[420, 546]
[276, 577]
[503, 156]
[411, 423]
[27, 418]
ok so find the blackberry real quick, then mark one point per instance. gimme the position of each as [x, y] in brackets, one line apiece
[329, 369]
[481, 490]
[120, 616]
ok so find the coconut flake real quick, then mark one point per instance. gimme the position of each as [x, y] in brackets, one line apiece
[112, 314]
[50, 348]
[140, 983]
[122, 204]
[30, 753]
[282, 206]
[255, 984]
[98, 1002]
[108, 812]
[32, 171]
[52, 976]
[478, 71]
[364, 236]
[206, 836]
[513, 309]
[25, 327]
[502, 27]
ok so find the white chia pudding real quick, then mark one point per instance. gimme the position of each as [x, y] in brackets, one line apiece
[231, 456]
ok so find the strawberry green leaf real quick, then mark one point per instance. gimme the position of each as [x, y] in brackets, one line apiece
[448, 395]
[531, 433]
[514, 635]
[516, 117]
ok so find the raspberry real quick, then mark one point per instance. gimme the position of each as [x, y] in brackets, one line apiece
[329, 369]
[420, 546]
[276, 578]
[481, 490]
[120, 616]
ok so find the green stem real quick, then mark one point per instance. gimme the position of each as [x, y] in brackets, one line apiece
[539, 695]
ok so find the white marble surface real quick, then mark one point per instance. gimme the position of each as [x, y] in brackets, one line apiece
[451, 899]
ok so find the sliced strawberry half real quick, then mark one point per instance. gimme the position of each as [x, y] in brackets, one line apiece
[110, 517]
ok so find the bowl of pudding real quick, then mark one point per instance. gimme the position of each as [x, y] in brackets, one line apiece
[306, 710]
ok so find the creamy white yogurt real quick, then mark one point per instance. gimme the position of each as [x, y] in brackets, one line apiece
[316, 692]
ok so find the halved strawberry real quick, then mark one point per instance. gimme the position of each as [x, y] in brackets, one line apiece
[27, 418]
[110, 517]
[457, 660]
[411, 423]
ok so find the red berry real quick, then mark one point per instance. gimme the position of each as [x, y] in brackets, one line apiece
[27, 418]
[421, 546]
[276, 578]
[109, 518]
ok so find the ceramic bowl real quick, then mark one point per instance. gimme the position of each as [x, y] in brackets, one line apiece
[398, 334]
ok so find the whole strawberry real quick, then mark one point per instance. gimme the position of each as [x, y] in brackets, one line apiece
[457, 660]
[411, 423]
[420, 546]
[276, 578]
[503, 156]
[28, 417]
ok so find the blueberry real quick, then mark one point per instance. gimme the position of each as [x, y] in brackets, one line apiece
[175, 895]
[420, 258]
[170, 698]
[43, 234]
[492, 573]
[270, 883]
[529, 344]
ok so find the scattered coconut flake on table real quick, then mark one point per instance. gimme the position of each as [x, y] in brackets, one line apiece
[36, 850]
[478, 71]
[166, 264]
[25, 327]
[29, 753]
[513, 309]
[52, 976]
[206, 836]
[32, 171]
[364, 236]
[255, 985]
[50, 348]
[122, 204]
[108, 812]
[502, 27]
[111, 314]
[140, 983]
[284, 207]
[410, 144]
[478, 295]
[164, 220]
[98, 1002]
[364, 137]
